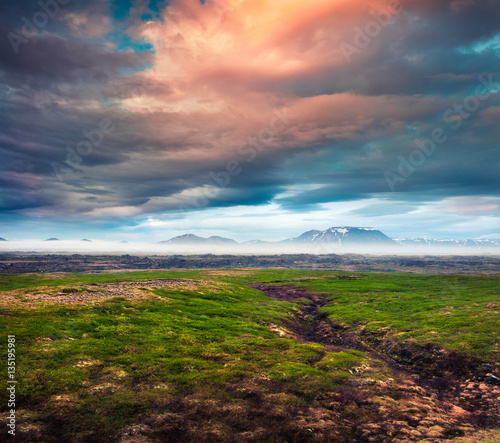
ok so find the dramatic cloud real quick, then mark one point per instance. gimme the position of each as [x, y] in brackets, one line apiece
[117, 111]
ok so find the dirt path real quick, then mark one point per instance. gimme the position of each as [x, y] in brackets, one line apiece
[311, 325]
[462, 387]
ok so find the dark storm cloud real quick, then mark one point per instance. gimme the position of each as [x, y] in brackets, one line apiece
[49, 60]
[444, 24]
[410, 55]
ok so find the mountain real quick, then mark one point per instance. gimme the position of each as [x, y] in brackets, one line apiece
[2, 239]
[346, 235]
[52, 239]
[423, 241]
[191, 239]
[87, 240]
[483, 242]
[215, 239]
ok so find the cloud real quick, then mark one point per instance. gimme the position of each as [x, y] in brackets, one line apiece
[217, 78]
[50, 61]
[470, 205]
[88, 24]
[461, 5]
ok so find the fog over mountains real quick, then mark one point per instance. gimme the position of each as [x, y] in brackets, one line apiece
[334, 240]
[341, 236]
[191, 239]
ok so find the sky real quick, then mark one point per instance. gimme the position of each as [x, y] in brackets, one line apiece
[142, 120]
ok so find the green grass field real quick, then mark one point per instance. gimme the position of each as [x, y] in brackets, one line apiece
[207, 352]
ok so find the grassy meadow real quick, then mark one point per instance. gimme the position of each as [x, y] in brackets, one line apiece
[212, 359]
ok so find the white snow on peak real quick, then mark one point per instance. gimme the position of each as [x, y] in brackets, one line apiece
[342, 231]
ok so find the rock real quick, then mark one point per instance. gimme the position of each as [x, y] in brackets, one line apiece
[494, 380]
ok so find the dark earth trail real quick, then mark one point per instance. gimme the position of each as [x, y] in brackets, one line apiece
[459, 384]
[312, 325]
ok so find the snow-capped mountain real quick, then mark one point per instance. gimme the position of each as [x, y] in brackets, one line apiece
[345, 235]
[428, 242]
[483, 242]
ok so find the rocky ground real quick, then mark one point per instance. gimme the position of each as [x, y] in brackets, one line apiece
[83, 294]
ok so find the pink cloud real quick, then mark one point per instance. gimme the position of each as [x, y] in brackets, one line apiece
[221, 65]
[252, 44]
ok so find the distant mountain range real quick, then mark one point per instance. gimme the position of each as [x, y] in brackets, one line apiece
[336, 237]
[339, 236]
[477, 243]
